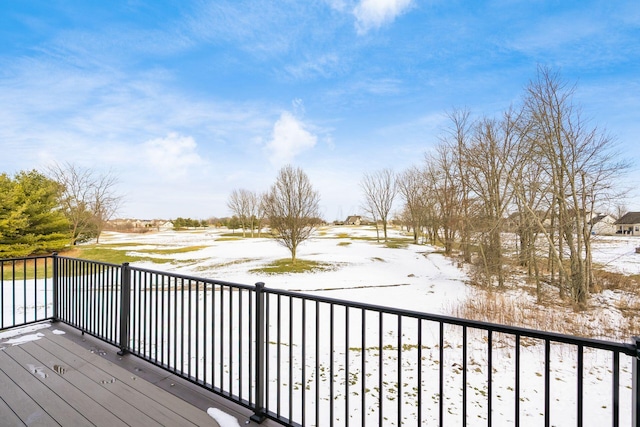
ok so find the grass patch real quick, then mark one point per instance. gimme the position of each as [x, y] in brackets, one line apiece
[112, 256]
[229, 239]
[172, 250]
[344, 243]
[238, 235]
[285, 266]
[27, 270]
[396, 244]
[224, 264]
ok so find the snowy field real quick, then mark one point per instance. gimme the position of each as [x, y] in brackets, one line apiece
[412, 277]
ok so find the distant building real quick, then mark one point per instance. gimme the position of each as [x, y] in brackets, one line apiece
[353, 220]
[603, 224]
[168, 225]
[629, 224]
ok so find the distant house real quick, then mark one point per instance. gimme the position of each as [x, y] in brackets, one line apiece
[629, 224]
[167, 225]
[353, 220]
[603, 224]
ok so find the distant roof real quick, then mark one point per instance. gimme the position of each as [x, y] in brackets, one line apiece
[597, 219]
[629, 218]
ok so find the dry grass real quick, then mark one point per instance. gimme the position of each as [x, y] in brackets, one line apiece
[614, 281]
[611, 315]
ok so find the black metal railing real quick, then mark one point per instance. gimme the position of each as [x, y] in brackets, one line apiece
[26, 291]
[311, 360]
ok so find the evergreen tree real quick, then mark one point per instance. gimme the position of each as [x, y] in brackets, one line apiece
[31, 220]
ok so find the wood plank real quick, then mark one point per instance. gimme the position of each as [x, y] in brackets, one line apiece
[92, 386]
[15, 402]
[186, 392]
[103, 374]
[50, 402]
[92, 411]
[8, 416]
[134, 372]
[18, 403]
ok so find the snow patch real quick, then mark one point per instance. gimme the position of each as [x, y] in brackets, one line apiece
[58, 332]
[23, 330]
[224, 419]
[37, 370]
[24, 339]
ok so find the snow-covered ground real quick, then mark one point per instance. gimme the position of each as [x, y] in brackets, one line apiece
[414, 277]
[617, 253]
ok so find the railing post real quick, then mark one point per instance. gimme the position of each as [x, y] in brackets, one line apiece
[56, 283]
[125, 297]
[259, 414]
[636, 384]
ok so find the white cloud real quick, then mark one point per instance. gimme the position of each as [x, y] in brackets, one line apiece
[173, 155]
[371, 14]
[290, 138]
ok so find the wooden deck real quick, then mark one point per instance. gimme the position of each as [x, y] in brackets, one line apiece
[72, 379]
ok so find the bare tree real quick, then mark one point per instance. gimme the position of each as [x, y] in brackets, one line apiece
[88, 201]
[458, 137]
[581, 166]
[444, 191]
[246, 205]
[411, 186]
[493, 160]
[105, 202]
[292, 208]
[379, 188]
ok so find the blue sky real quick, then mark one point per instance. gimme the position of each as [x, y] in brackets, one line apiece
[187, 100]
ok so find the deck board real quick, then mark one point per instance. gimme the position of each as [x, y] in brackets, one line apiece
[54, 381]
[80, 368]
[18, 406]
[45, 397]
[93, 388]
[120, 383]
[55, 390]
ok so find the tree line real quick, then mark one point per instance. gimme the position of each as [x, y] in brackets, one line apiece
[45, 212]
[539, 170]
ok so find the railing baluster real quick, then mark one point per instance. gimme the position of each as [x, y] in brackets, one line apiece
[490, 377]
[125, 309]
[547, 383]
[635, 362]
[56, 286]
[580, 385]
[517, 381]
[259, 412]
[230, 338]
[380, 367]
[304, 361]
[399, 352]
[464, 375]
[290, 360]
[441, 376]
[346, 366]
[363, 367]
[419, 367]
